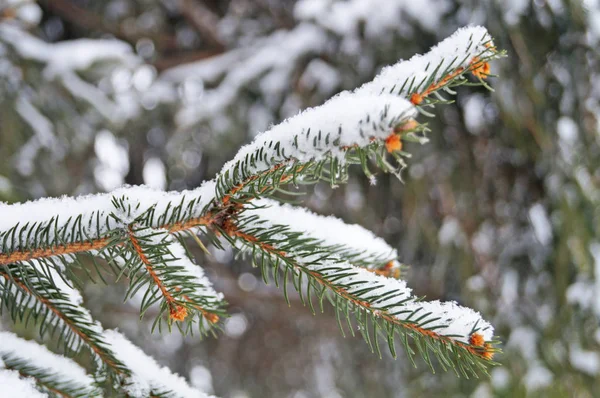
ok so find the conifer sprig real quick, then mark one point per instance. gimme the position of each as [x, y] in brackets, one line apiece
[380, 304]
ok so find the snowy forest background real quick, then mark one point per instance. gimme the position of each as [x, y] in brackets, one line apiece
[501, 211]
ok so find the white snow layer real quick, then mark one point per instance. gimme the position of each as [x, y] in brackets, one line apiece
[40, 357]
[354, 118]
[66, 56]
[377, 16]
[455, 322]
[146, 374]
[331, 230]
[16, 387]
[345, 120]
[95, 211]
[456, 51]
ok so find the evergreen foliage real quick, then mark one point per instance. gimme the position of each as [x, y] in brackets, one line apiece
[139, 235]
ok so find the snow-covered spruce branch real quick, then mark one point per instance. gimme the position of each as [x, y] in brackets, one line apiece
[148, 378]
[14, 385]
[138, 233]
[52, 373]
[319, 260]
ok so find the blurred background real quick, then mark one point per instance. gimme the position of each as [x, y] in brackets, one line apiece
[501, 211]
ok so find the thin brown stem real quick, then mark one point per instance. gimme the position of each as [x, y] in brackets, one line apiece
[69, 248]
[176, 311]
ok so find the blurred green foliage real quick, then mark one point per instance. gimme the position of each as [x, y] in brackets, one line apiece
[501, 212]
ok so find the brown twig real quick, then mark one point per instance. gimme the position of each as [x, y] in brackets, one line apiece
[69, 248]
[176, 311]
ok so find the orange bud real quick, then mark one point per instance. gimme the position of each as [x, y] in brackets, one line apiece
[416, 98]
[476, 339]
[178, 313]
[212, 318]
[480, 69]
[488, 353]
[393, 143]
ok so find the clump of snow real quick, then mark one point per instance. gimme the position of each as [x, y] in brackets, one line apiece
[541, 224]
[474, 113]
[14, 386]
[584, 294]
[325, 229]
[113, 160]
[595, 251]
[584, 360]
[155, 173]
[201, 378]
[346, 120]
[40, 357]
[567, 130]
[593, 16]
[27, 11]
[96, 211]
[524, 340]
[66, 56]
[236, 325]
[500, 378]
[454, 320]
[537, 377]
[451, 232]
[456, 51]
[147, 376]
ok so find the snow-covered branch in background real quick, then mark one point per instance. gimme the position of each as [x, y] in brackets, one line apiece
[52, 372]
[139, 232]
[242, 66]
[378, 16]
[147, 377]
[36, 290]
[13, 385]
